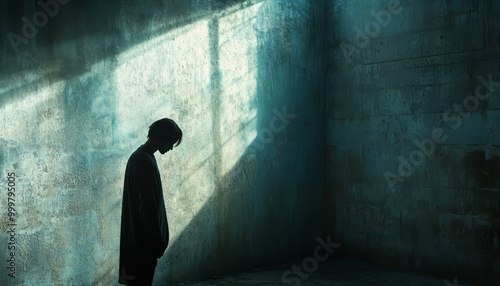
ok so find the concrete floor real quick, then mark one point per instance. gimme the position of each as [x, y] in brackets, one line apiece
[337, 272]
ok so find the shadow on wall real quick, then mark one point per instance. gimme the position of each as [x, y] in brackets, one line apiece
[58, 92]
[65, 39]
[263, 207]
[266, 208]
[393, 102]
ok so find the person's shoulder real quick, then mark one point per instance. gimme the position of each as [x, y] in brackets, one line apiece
[140, 155]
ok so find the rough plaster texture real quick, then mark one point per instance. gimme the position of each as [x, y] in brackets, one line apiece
[444, 217]
[243, 189]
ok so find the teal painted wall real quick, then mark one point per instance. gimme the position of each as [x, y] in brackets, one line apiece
[243, 79]
[295, 115]
[402, 103]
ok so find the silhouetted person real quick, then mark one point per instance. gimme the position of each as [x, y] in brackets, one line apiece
[144, 228]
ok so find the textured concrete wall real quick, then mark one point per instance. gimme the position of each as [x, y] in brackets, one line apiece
[78, 90]
[401, 71]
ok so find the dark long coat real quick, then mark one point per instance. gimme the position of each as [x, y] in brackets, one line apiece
[144, 227]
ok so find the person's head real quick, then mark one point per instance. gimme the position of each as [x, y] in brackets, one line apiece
[165, 133]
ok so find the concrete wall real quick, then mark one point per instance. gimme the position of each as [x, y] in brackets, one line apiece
[396, 70]
[243, 79]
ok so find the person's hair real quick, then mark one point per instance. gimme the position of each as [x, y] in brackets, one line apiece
[165, 129]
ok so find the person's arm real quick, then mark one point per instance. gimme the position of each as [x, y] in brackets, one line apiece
[148, 204]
